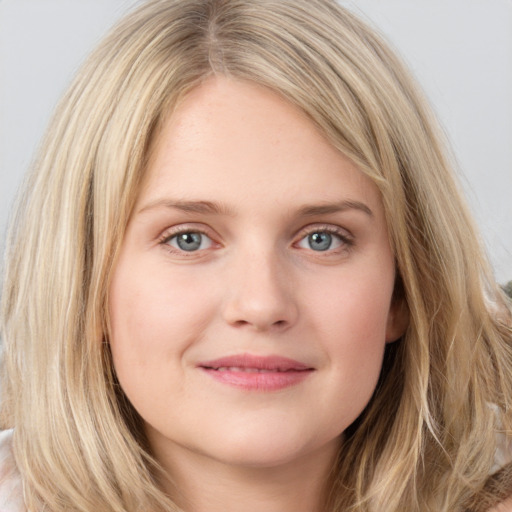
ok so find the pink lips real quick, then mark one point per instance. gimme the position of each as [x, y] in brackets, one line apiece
[249, 372]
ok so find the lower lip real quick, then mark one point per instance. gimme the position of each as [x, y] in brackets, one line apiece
[268, 381]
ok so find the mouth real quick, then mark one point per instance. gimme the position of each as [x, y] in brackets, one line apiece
[249, 370]
[257, 373]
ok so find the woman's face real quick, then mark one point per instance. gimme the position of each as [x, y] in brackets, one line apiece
[251, 301]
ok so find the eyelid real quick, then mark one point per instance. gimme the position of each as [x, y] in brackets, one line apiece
[345, 236]
[173, 231]
[329, 228]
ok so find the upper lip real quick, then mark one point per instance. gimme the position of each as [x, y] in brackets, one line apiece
[273, 362]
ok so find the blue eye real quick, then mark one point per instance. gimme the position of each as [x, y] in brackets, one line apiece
[190, 241]
[321, 241]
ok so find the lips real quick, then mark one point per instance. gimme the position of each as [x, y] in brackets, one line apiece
[258, 373]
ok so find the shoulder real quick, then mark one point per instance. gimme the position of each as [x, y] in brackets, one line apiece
[11, 493]
[503, 454]
[505, 506]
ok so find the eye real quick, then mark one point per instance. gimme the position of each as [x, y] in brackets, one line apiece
[189, 241]
[323, 240]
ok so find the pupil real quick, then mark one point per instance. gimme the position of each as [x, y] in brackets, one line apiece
[320, 241]
[189, 241]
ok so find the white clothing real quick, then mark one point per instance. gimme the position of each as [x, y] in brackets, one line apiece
[11, 493]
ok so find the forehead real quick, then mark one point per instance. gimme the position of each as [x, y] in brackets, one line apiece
[231, 140]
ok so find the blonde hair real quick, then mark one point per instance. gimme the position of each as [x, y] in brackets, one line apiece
[427, 440]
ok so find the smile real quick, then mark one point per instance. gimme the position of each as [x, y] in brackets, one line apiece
[257, 373]
[248, 370]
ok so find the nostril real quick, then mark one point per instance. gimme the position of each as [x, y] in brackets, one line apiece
[260, 326]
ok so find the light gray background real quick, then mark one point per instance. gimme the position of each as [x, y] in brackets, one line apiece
[460, 50]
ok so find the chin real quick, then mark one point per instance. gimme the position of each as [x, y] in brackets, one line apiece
[270, 449]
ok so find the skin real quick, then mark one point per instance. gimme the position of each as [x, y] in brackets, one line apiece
[506, 506]
[255, 286]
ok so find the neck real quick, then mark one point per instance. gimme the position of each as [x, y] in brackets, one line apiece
[202, 484]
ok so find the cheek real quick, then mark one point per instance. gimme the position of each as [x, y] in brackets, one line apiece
[148, 306]
[352, 316]
[153, 321]
[354, 307]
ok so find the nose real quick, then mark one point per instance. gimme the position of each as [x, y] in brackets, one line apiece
[260, 293]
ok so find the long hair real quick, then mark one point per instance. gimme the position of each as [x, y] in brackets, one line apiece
[427, 439]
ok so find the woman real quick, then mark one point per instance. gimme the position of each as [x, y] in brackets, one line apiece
[242, 277]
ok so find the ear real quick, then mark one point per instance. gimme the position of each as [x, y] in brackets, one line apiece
[398, 319]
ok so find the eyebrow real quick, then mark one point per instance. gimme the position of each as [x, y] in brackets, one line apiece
[215, 208]
[203, 207]
[322, 209]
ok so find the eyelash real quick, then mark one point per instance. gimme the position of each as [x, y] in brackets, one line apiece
[346, 240]
[182, 230]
